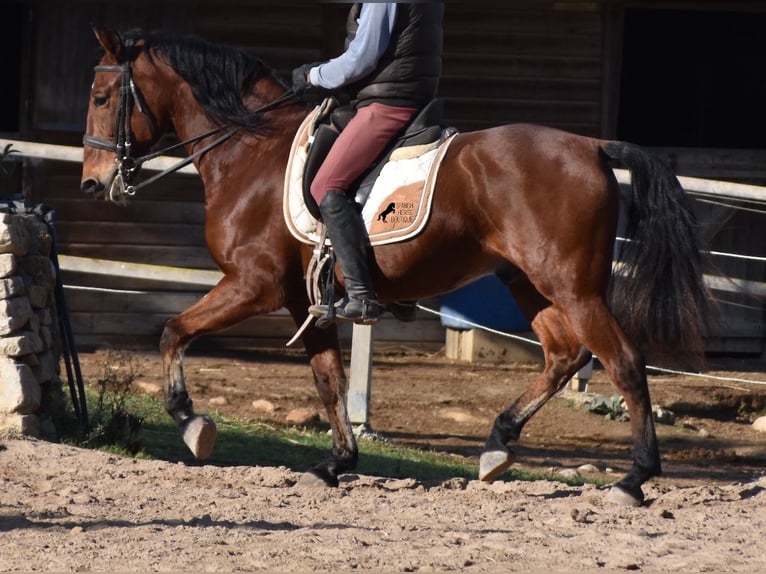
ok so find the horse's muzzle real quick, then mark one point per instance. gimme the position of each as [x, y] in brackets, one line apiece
[92, 186]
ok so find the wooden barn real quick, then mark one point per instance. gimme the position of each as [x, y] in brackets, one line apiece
[683, 78]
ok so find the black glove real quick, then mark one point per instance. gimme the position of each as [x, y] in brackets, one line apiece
[300, 78]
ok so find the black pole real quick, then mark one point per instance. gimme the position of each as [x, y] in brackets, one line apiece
[69, 349]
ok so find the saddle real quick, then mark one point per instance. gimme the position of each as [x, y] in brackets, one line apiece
[423, 137]
[423, 130]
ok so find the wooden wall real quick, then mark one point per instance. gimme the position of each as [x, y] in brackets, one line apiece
[548, 62]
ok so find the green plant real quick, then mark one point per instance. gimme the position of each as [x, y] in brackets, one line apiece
[612, 408]
[7, 169]
[112, 423]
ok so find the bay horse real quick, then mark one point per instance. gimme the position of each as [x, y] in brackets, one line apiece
[536, 206]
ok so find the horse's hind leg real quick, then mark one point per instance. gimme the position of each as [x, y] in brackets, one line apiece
[564, 356]
[225, 304]
[626, 367]
[592, 323]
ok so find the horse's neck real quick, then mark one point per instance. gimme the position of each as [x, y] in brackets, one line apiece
[244, 151]
[189, 119]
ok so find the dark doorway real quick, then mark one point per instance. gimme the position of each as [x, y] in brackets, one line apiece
[11, 41]
[693, 79]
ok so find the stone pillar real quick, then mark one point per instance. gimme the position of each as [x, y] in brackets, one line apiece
[30, 345]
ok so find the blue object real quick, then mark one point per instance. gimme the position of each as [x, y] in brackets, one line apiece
[485, 302]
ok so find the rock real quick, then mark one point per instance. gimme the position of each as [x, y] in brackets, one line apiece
[582, 516]
[218, 401]
[457, 483]
[22, 344]
[47, 368]
[27, 425]
[147, 387]
[459, 416]
[588, 468]
[760, 424]
[11, 287]
[264, 406]
[19, 392]
[302, 417]
[8, 264]
[570, 473]
[38, 296]
[15, 313]
[401, 484]
[663, 416]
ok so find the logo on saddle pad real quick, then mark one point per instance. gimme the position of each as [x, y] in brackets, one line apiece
[399, 204]
[391, 208]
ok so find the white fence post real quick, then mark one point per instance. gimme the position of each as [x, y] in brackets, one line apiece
[579, 382]
[358, 400]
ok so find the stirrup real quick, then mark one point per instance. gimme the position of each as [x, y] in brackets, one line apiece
[406, 311]
[359, 310]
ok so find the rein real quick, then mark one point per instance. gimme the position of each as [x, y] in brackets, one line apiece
[127, 164]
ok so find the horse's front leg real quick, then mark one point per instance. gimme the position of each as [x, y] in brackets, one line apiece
[323, 349]
[225, 305]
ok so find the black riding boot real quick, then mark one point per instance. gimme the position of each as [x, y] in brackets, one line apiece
[348, 235]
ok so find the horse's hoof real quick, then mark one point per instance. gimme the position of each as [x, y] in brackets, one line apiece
[199, 434]
[621, 497]
[494, 463]
[316, 479]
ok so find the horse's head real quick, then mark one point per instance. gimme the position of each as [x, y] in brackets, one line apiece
[146, 82]
[120, 125]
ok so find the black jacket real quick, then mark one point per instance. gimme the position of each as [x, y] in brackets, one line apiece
[408, 72]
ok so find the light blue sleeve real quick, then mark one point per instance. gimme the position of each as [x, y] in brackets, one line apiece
[376, 22]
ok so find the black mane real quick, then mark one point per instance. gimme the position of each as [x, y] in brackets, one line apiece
[218, 75]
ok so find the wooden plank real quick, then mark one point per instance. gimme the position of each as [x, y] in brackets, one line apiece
[137, 302]
[739, 165]
[179, 256]
[74, 154]
[101, 323]
[476, 345]
[715, 188]
[503, 87]
[137, 211]
[135, 233]
[580, 117]
[494, 63]
[176, 275]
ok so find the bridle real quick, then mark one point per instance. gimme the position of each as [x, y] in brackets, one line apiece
[128, 164]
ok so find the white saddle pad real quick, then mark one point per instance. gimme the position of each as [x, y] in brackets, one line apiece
[400, 201]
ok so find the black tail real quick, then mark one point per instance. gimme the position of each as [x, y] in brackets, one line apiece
[658, 293]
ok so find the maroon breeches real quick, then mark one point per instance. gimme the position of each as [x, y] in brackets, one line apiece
[358, 145]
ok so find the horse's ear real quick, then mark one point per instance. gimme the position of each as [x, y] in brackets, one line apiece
[110, 41]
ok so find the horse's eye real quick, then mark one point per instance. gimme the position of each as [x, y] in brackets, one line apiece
[99, 100]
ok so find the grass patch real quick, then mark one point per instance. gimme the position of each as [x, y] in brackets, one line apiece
[137, 425]
[246, 442]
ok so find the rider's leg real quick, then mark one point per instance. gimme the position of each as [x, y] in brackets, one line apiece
[348, 235]
[362, 141]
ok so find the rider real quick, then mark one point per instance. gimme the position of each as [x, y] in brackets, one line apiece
[391, 67]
